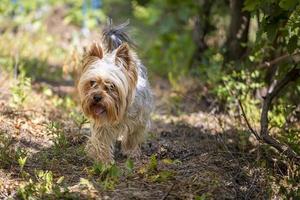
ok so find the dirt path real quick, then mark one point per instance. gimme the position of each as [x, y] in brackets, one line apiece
[209, 166]
[191, 155]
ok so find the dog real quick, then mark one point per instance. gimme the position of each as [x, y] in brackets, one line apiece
[115, 95]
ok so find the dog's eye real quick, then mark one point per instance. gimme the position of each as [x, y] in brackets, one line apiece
[92, 83]
[110, 87]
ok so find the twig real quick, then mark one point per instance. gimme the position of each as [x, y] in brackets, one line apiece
[245, 117]
[250, 190]
[16, 66]
[247, 122]
[168, 192]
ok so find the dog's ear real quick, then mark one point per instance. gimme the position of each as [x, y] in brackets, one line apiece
[95, 50]
[124, 58]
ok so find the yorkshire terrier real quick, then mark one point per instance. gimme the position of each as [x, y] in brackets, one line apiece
[115, 95]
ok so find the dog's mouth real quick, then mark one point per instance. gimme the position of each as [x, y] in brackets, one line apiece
[99, 109]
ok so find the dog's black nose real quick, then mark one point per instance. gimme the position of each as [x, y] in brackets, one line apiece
[97, 98]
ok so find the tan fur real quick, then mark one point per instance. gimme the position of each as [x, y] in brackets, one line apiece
[113, 78]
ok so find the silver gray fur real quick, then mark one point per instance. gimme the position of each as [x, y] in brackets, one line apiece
[132, 128]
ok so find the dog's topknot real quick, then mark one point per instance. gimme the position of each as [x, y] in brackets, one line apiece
[114, 36]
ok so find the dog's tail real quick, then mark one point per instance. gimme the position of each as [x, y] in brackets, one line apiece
[114, 36]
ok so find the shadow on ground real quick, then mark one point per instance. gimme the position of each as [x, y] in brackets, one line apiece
[207, 165]
[201, 159]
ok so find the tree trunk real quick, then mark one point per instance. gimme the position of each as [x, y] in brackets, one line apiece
[202, 26]
[238, 31]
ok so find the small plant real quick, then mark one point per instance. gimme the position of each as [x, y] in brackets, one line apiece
[108, 174]
[21, 156]
[161, 176]
[202, 197]
[42, 186]
[152, 166]
[59, 139]
[6, 152]
[152, 173]
[239, 85]
[78, 118]
[9, 155]
[22, 162]
[129, 165]
[20, 91]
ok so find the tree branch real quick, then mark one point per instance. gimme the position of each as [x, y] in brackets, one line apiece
[278, 60]
[292, 75]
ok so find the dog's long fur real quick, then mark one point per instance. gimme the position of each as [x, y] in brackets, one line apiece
[124, 110]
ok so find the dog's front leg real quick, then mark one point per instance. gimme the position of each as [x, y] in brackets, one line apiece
[100, 145]
[132, 140]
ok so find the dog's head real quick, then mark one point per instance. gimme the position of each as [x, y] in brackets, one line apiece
[107, 83]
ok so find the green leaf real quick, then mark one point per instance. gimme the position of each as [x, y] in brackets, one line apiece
[271, 30]
[152, 166]
[251, 5]
[22, 162]
[293, 44]
[202, 197]
[60, 180]
[129, 165]
[288, 4]
[114, 171]
[165, 175]
[162, 176]
[86, 182]
[167, 161]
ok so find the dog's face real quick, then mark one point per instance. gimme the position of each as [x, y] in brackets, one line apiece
[107, 83]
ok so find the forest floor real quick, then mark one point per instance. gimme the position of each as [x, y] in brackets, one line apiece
[190, 152]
